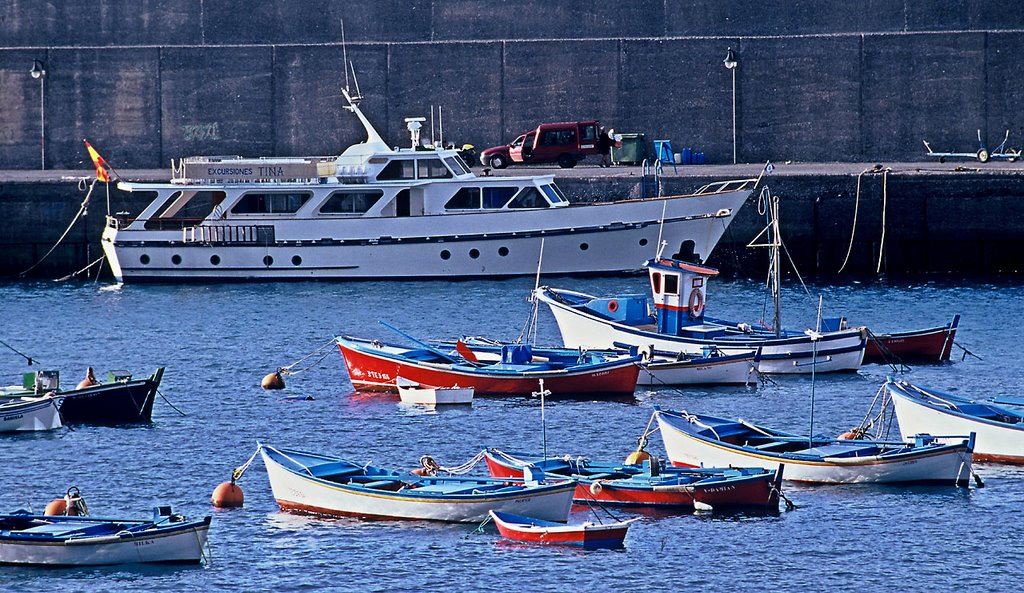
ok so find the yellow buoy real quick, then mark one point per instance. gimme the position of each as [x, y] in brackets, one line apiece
[227, 495]
[637, 457]
[273, 381]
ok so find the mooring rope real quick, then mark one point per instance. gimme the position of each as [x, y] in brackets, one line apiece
[287, 370]
[885, 207]
[73, 274]
[81, 209]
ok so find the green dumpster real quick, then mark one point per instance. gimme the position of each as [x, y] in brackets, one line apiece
[632, 151]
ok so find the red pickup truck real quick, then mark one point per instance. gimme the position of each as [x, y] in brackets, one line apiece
[564, 143]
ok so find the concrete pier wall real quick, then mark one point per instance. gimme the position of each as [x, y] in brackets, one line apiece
[147, 82]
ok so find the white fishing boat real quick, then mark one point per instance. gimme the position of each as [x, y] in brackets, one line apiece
[60, 540]
[695, 440]
[412, 392]
[1000, 430]
[381, 212]
[30, 414]
[324, 485]
[708, 369]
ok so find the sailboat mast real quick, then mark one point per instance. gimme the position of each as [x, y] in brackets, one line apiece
[776, 280]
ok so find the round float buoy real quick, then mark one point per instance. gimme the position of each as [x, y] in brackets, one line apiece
[637, 457]
[273, 381]
[613, 306]
[89, 380]
[227, 495]
[56, 507]
[596, 488]
[849, 435]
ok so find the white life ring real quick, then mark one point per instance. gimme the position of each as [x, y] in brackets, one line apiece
[696, 303]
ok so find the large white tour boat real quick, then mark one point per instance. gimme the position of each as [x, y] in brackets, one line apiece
[383, 212]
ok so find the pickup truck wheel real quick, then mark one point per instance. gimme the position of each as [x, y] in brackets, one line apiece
[498, 162]
[566, 161]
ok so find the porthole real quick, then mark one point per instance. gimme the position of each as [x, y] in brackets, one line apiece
[474, 253]
[267, 260]
[446, 254]
[584, 246]
[296, 260]
[175, 259]
[215, 260]
[503, 251]
[144, 259]
[643, 242]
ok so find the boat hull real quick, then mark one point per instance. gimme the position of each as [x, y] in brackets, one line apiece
[836, 351]
[745, 490]
[726, 370]
[586, 239]
[180, 545]
[110, 403]
[995, 441]
[433, 396]
[945, 465]
[586, 535]
[376, 371]
[305, 494]
[27, 416]
[933, 345]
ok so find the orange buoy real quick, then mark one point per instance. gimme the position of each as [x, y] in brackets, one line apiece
[89, 380]
[273, 381]
[228, 495]
[56, 507]
[637, 457]
[849, 435]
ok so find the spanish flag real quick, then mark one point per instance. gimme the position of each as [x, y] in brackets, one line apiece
[101, 165]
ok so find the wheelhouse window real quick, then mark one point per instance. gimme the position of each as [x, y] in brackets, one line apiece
[530, 197]
[351, 202]
[456, 164]
[398, 169]
[671, 284]
[467, 198]
[553, 193]
[656, 282]
[496, 197]
[432, 169]
[271, 203]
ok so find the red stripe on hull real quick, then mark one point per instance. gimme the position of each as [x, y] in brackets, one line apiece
[305, 509]
[373, 373]
[1014, 459]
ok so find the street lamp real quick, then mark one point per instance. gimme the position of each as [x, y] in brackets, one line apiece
[39, 71]
[731, 63]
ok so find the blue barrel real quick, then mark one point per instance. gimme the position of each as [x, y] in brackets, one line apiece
[700, 158]
[687, 155]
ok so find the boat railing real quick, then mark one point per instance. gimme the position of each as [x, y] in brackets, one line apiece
[725, 186]
[256, 234]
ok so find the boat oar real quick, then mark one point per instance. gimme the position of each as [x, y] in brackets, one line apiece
[426, 346]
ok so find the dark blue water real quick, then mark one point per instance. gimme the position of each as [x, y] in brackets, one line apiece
[217, 342]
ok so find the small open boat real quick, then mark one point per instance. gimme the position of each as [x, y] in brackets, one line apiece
[693, 440]
[412, 392]
[923, 346]
[648, 484]
[324, 485]
[46, 540]
[119, 400]
[657, 368]
[375, 366]
[30, 414]
[587, 535]
[922, 410]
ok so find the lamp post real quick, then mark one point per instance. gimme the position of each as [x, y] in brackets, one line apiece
[731, 63]
[39, 71]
